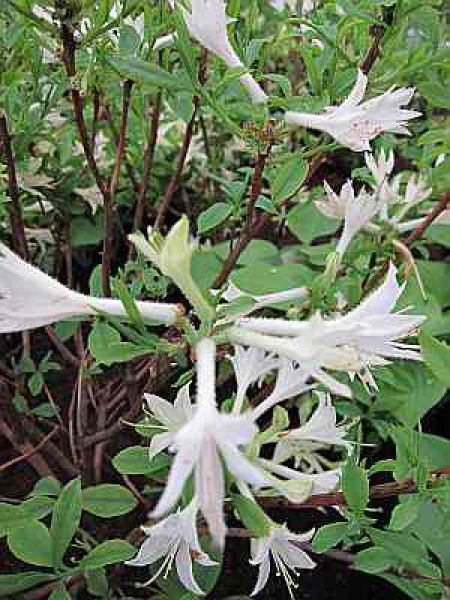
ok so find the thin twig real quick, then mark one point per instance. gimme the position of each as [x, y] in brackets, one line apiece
[120, 148]
[69, 48]
[149, 154]
[377, 492]
[30, 452]
[438, 209]
[14, 207]
[61, 347]
[175, 180]
[247, 232]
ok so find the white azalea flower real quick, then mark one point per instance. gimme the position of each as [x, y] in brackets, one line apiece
[232, 292]
[281, 546]
[335, 206]
[297, 486]
[365, 336]
[30, 298]
[290, 382]
[320, 430]
[201, 444]
[358, 213]
[355, 123]
[174, 539]
[249, 366]
[171, 416]
[416, 192]
[207, 23]
[380, 167]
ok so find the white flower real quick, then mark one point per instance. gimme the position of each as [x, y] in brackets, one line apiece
[320, 430]
[171, 416]
[290, 382]
[282, 546]
[207, 23]
[29, 298]
[380, 167]
[355, 123]
[358, 213]
[232, 292]
[201, 444]
[416, 192]
[249, 367]
[363, 337]
[174, 538]
[335, 205]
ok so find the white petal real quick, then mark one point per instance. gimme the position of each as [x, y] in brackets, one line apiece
[183, 562]
[263, 576]
[182, 467]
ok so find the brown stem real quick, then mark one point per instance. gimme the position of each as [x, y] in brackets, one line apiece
[377, 492]
[149, 153]
[29, 453]
[120, 148]
[25, 448]
[61, 347]
[175, 180]
[96, 114]
[14, 207]
[438, 209]
[257, 227]
[377, 32]
[130, 171]
[250, 226]
[69, 48]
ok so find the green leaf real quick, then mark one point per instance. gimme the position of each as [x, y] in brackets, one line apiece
[65, 519]
[404, 514]
[355, 485]
[101, 337]
[252, 515]
[307, 223]
[135, 461]
[408, 391]
[262, 278]
[213, 216]
[328, 536]
[19, 582]
[32, 544]
[38, 506]
[108, 500]
[35, 383]
[60, 593]
[108, 553]
[437, 356]
[97, 582]
[288, 179]
[141, 71]
[373, 560]
[11, 517]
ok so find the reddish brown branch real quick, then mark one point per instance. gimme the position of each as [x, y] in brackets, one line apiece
[149, 153]
[257, 225]
[438, 209]
[69, 48]
[175, 180]
[120, 148]
[377, 492]
[14, 207]
[377, 32]
[248, 231]
[30, 452]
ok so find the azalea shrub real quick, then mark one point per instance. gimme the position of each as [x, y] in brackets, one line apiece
[224, 294]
